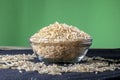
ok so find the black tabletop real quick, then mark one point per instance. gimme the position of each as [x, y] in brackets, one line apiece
[12, 74]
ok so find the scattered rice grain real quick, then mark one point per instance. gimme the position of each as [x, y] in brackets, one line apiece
[91, 64]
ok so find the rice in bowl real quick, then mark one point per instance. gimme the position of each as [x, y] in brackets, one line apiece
[60, 43]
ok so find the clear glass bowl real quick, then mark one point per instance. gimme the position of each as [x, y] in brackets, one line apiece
[67, 51]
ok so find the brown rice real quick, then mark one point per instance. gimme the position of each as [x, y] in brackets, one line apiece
[89, 64]
[59, 32]
[60, 42]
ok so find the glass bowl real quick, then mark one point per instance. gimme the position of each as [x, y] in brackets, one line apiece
[62, 51]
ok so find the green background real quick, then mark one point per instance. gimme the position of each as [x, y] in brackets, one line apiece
[19, 19]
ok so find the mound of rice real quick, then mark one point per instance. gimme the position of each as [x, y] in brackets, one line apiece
[59, 32]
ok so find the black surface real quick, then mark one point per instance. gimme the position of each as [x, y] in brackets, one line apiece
[9, 74]
[106, 53]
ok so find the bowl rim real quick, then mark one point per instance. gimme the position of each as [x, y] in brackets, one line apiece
[81, 41]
